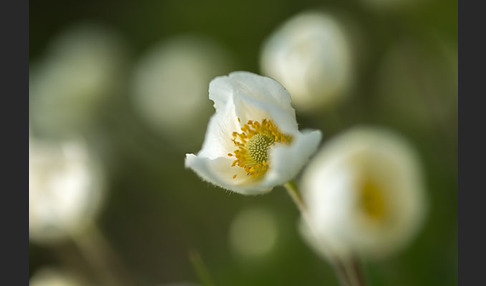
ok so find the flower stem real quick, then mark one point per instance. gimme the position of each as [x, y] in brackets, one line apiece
[200, 267]
[99, 253]
[343, 270]
[293, 191]
[357, 272]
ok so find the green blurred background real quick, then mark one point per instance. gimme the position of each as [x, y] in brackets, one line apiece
[156, 211]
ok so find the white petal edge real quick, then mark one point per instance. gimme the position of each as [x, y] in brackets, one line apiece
[249, 108]
[210, 170]
[217, 142]
[246, 84]
[288, 160]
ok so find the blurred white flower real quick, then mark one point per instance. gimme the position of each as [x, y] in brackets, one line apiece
[55, 277]
[310, 55]
[253, 232]
[365, 194]
[80, 71]
[65, 189]
[252, 142]
[169, 84]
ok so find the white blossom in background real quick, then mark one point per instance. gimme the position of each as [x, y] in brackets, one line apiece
[80, 70]
[65, 189]
[310, 55]
[365, 194]
[55, 277]
[169, 85]
[252, 142]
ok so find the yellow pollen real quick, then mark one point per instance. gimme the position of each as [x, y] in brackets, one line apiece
[372, 201]
[253, 144]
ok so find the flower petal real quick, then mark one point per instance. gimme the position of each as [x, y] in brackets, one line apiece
[255, 97]
[248, 108]
[220, 173]
[287, 161]
[217, 142]
[240, 83]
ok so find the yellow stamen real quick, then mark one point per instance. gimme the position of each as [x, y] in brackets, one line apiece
[253, 144]
[372, 201]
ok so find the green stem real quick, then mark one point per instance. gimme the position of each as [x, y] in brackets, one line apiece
[341, 268]
[293, 191]
[201, 269]
[102, 258]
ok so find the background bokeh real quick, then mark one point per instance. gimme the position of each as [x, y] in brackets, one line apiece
[93, 74]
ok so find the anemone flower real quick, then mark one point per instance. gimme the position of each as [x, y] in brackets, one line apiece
[365, 195]
[311, 55]
[252, 142]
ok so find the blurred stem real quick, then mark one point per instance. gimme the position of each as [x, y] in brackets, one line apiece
[293, 191]
[200, 267]
[102, 258]
[341, 268]
[357, 272]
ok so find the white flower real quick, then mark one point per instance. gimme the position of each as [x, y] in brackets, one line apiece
[364, 193]
[81, 70]
[310, 55]
[169, 86]
[65, 189]
[252, 142]
[49, 276]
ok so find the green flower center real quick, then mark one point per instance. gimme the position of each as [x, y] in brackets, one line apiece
[258, 146]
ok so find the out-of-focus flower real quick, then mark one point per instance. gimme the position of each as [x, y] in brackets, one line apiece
[364, 193]
[65, 189]
[253, 233]
[169, 85]
[68, 87]
[310, 55]
[252, 142]
[55, 277]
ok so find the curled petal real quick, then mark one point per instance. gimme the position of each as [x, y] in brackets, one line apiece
[247, 105]
[287, 161]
